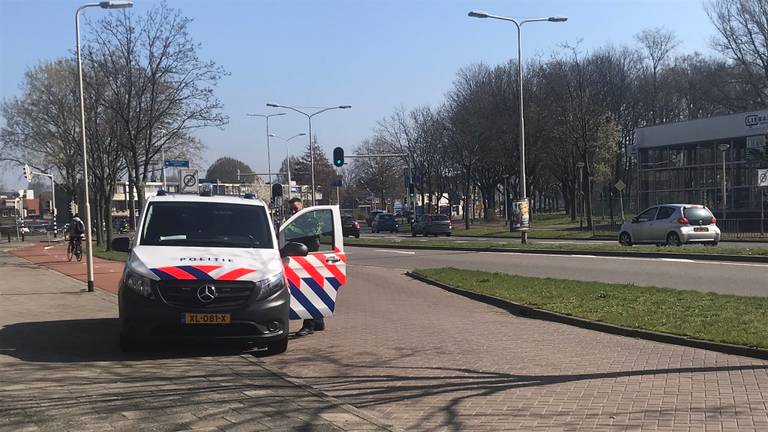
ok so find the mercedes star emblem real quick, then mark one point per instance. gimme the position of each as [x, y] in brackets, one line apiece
[206, 293]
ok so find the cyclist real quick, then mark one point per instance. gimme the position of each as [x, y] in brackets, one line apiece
[76, 231]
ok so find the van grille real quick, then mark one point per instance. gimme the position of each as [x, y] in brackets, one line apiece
[183, 294]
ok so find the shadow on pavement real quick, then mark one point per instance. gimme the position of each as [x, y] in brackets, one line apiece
[88, 340]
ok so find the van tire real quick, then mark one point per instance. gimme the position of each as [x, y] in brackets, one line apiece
[129, 344]
[278, 347]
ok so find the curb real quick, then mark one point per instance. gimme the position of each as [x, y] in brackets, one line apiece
[315, 392]
[534, 313]
[699, 257]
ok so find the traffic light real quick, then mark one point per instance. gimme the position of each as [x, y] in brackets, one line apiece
[27, 172]
[338, 156]
[411, 190]
[277, 190]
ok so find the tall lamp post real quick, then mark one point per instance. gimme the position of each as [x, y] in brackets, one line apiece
[519, 24]
[311, 147]
[288, 156]
[724, 148]
[115, 4]
[269, 158]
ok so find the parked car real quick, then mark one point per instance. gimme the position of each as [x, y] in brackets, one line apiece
[371, 216]
[432, 224]
[385, 222]
[671, 224]
[350, 227]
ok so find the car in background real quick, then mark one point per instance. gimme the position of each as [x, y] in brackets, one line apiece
[671, 224]
[432, 224]
[385, 222]
[371, 216]
[350, 226]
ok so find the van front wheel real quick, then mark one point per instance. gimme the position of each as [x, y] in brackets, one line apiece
[278, 347]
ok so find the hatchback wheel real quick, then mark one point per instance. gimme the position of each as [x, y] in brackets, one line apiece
[673, 239]
[278, 347]
[625, 239]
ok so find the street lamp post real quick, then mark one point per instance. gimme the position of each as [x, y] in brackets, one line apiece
[88, 249]
[311, 147]
[288, 157]
[580, 166]
[724, 148]
[519, 24]
[269, 158]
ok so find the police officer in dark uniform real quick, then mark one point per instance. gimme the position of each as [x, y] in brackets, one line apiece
[312, 241]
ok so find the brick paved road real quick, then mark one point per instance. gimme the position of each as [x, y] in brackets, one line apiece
[425, 359]
[60, 370]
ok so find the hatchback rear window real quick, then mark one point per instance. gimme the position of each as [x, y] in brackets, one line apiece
[386, 217]
[439, 218]
[698, 215]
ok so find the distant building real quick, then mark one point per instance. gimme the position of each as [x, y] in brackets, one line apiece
[683, 163]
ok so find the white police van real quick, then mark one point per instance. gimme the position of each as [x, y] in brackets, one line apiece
[212, 267]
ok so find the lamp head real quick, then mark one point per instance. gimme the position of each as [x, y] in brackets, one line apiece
[478, 14]
[557, 19]
[345, 106]
[271, 105]
[116, 4]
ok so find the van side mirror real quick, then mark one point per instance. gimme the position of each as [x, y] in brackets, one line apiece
[121, 244]
[294, 249]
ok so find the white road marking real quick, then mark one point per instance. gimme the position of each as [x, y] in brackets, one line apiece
[677, 260]
[636, 259]
[396, 251]
[49, 247]
[584, 256]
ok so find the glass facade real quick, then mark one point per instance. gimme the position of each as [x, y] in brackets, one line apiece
[693, 173]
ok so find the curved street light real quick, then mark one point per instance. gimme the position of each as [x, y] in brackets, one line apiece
[269, 157]
[288, 157]
[88, 236]
[519, 24]
[311, 147]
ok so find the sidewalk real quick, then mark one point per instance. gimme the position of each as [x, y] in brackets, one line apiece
[61, 369]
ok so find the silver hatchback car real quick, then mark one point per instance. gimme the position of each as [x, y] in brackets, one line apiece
[671, 224]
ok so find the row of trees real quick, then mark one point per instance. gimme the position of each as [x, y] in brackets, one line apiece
[581, 107]
[146, 90]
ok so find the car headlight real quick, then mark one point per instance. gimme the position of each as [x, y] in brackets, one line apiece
[139, 284]
[270, 286]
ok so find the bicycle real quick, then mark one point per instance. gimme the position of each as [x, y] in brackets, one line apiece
[75, 249]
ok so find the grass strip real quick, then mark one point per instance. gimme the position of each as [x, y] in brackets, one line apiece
[101, 252]
[512, 246]
[706, 316]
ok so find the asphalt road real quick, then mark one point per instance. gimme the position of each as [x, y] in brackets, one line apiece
[365, 233]
[715, 276]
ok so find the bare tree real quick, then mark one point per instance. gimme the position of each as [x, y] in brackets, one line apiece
[742, 27]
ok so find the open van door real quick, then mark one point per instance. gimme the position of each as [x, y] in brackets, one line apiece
[314, 280]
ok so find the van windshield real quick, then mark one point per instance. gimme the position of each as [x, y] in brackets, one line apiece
[206, 224]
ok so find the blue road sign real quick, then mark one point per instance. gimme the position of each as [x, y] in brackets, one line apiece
[177, 163]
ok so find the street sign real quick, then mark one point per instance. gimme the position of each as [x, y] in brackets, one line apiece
[176, 163]
[188, 181]
[762, 177]
[620, 185]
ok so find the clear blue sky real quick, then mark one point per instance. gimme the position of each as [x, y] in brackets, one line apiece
[371, 54]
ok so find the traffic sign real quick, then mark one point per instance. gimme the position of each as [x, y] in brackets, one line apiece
[188, 181]
[620, 185]
[176, 163]
[762, 177]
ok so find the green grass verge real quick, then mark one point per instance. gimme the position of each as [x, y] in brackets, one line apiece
[707, 316]
[101, 252]
[511, 245]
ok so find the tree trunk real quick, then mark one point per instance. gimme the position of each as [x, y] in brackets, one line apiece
[467, 190]
[131, 203]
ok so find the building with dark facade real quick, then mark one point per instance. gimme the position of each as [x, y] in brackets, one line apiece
[683, 163]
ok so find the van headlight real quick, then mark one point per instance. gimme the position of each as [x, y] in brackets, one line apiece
[139, 284]
[270, 286]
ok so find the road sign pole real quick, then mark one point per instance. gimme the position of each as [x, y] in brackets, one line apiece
[621, 204]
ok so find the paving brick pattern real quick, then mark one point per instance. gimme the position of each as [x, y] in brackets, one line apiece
[425, 359]
[61, 370]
